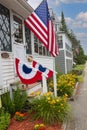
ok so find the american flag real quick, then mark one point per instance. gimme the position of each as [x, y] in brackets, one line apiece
[41, 25]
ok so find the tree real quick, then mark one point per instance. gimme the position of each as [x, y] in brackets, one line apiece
[63, 26]
[79, 58]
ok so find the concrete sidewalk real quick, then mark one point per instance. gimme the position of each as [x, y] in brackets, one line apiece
[79, 107]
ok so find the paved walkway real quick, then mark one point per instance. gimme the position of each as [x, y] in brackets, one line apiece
[79, 106]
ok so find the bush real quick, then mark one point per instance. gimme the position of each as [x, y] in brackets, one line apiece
[77, 72]
[16, 104]
[19, 99]
[7, 103]
[50, 109]
[4, 119]
[66, 84]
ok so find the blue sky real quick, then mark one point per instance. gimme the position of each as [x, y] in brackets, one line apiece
[75, 13]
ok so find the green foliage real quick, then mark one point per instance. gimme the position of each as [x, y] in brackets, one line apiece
[78, 69]
[50, 109]
[7, 103]
[63, 24]
[66, 84]
[16, 104]
[19, 99]
[4, 119]
[19, 116]
[80, 58]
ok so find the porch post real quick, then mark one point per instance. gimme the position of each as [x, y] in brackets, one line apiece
[54, 79]
[44, 82]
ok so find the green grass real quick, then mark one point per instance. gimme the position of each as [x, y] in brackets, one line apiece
[81, 78]
[79, 67]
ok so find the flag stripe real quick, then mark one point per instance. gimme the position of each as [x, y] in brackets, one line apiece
[28, 24]
[40, 22]
[53, 40]
[50, 35]
[38, 27]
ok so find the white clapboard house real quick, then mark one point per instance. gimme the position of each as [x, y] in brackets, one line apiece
[64, 61]
[16, 40]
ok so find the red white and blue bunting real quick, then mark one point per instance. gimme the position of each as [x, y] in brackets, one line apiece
[47, 72]
[27, 75]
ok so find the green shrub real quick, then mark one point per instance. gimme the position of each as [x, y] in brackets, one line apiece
[19, 99]
[66, 84]
[4, 119]
[16, 104]
[77, 72]
[7, 103]
[50, 109]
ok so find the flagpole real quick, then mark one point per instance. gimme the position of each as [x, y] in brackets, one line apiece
[54, 79]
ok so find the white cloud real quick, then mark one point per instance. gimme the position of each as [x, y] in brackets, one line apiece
[80, 22]
[73, 1]
[82, 16]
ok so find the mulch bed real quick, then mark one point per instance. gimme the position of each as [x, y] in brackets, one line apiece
[27, 124]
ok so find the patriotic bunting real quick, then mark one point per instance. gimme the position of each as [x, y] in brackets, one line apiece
[48, 73]
[26, 74]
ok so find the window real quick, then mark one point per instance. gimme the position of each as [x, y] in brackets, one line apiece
[5, 32]
[68, 47]
[18, 33]
[28, 40]
[60, 42]
[68, 54]
[39, 48]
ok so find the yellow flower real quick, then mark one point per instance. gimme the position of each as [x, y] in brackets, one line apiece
[36, 126]
[41, 125]
[58, 110]
[57, 100]
[61, 104]
[48, 98]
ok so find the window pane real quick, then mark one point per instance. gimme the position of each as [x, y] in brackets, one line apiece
[18, 35]
[60, 42]
[40, 48]
[28, 40]
[5, 33]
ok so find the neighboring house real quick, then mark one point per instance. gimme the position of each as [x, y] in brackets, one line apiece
[64, 61]
[13, 32]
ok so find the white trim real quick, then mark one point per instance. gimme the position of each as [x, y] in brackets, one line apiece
[23, 30]
[65, 62]
[12, 29]
[32, 43]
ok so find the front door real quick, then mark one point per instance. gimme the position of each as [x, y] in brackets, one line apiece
[19, 49]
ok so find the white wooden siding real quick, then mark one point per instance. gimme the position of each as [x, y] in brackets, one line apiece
[8, 73]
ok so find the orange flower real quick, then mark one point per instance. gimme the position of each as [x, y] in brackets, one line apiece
[17, 113]
[22, 115]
